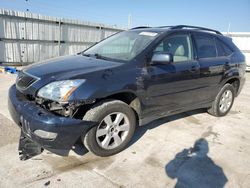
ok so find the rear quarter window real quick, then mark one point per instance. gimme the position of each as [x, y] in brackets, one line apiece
[222, 49]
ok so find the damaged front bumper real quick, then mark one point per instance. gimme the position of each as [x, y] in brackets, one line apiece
[30, 118]
[27, 148]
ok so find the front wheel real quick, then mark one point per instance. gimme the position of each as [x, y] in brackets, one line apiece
[223, 101]
[116, 124]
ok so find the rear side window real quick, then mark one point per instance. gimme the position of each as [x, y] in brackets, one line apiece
[205, 46]
[222, 49]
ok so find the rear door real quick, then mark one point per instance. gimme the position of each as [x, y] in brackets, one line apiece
[212, 66]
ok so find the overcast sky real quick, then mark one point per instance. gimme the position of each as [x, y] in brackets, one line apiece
[217, 14]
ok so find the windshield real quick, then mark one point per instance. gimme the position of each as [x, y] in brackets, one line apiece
[122, 46]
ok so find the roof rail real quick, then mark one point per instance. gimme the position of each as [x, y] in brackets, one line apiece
[166, 26]
[195, 27]
[140, 27]
[182, 27]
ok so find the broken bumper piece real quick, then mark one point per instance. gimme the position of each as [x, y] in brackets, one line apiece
[27, 148]
[42, 129]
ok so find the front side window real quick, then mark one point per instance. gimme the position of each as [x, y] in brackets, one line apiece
[122, 46]
[205, 46]
[178, 45]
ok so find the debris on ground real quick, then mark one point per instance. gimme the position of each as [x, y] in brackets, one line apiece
[8, 69]
[2, 70]
[47, 183]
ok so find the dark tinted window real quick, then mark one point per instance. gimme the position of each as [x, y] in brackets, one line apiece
[222, 49]
[205, 46]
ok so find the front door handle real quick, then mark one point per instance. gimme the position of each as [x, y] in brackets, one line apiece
[194, 69]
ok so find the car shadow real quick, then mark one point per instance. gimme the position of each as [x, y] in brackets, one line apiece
[193, 168]
[141, 130]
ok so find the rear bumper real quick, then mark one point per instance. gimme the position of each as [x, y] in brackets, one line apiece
[31, 117]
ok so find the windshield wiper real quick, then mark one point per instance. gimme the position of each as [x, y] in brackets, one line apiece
[88, 55]
[96, 55]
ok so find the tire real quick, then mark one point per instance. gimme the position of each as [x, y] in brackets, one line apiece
[216, 109]
[103, 113]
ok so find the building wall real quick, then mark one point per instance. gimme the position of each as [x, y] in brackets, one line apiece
[27, 38]
[242, 41]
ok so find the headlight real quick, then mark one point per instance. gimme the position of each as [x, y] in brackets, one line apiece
[60, 90]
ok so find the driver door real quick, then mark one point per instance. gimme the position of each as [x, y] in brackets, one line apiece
[173, 87]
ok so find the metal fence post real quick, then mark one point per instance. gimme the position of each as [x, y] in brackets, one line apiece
[102, 34]
[59, 39]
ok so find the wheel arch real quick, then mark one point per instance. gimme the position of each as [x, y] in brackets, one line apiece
[235, 82]
[130, 98]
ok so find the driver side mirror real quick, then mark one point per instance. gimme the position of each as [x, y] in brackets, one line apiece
[161, 58]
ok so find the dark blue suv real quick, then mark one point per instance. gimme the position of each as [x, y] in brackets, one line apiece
[99, 96]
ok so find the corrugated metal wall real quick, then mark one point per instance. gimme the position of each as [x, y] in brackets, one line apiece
[26, 38]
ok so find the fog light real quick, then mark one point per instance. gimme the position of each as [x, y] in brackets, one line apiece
[45, 134]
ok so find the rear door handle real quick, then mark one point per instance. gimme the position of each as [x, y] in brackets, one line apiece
[227, 65]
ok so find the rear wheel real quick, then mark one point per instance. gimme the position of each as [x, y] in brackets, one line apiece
[223, 101]
[116, 124]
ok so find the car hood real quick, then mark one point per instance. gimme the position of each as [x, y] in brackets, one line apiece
[69, 66]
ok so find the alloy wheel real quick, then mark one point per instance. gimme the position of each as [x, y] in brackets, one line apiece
[226, 101]
[113, 130]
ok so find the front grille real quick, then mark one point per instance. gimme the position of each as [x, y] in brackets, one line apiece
[24, 80]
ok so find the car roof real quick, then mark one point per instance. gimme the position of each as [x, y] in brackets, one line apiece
[177, 28]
